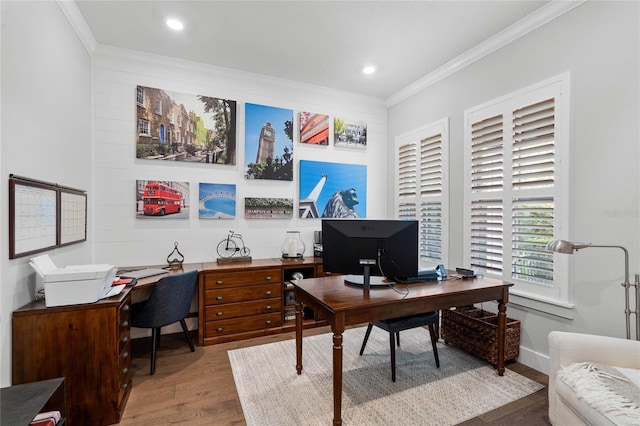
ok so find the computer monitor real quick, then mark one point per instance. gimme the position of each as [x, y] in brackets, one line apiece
[373, 252]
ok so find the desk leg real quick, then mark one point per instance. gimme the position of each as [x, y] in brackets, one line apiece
[338, 329]
[299, 337]
[502, 335]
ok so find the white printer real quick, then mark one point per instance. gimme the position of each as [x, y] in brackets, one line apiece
[74, 284]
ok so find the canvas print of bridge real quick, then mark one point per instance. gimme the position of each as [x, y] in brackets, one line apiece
[181, 127]
[217, 201]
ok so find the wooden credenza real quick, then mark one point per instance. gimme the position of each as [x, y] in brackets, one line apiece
[88, 344]
[244, 300]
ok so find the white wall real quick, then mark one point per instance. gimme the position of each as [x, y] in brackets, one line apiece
[45, 134]
[121, 239]
[598, 43]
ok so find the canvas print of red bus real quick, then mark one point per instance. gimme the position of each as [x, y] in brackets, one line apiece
[162, 198]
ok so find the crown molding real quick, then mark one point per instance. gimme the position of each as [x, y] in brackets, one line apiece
[538, 18]
[75, 18]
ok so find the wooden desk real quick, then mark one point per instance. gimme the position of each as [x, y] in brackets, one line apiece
[150, 281]
[342, 305]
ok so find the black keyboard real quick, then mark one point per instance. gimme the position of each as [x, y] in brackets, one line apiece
[421, 277]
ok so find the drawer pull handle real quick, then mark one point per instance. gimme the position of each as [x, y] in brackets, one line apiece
[219, 329]
[268, 293]
[124, 370]
[268, 278]
[125, 339]
[268, 322]
[125, 385]
[125, 323]
[268, 307]
[220, 313]
[219, 298]
[219, 282]
[126, 307]
[125, 355]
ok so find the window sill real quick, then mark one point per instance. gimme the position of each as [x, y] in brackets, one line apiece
[531, 301]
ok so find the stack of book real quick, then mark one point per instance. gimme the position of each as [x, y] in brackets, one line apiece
[48, 418]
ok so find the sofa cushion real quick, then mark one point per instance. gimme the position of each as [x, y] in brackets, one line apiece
[601, 394]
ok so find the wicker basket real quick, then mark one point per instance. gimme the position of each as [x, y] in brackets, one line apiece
[476, 332]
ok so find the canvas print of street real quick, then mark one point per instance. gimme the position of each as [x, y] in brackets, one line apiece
[268, 142]
[217, 201]
[180, 127]
[332, 190]
[349, 134]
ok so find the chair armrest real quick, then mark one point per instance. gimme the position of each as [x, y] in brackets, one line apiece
[567, 348]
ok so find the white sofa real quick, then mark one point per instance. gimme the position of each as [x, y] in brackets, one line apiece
[583, 389]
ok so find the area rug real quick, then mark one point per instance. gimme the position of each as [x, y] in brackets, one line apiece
[463, 387]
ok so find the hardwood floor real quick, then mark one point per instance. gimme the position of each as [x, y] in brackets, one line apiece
[198, 388]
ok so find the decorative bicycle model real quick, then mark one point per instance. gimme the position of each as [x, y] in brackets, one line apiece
[231, 245]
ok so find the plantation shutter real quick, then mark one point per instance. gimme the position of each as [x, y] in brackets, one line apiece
[431, 177]
[533, 180]
[420, 181]
[487, 184]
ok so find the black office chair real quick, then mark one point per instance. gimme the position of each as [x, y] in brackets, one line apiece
[395, 325]
[169, 302]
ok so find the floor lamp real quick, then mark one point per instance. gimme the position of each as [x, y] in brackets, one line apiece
[566, 247]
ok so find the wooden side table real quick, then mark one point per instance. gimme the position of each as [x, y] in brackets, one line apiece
[21, 403]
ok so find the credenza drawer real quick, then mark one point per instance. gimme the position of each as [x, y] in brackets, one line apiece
[240, 294]
[238, 325]
[242, 278]
[242, 309]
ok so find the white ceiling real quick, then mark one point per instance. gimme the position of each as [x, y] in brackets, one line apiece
[324, 43]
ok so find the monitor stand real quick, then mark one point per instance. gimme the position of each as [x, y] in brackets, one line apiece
[366, 281]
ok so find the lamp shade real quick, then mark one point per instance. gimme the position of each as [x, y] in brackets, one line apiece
[566, 247]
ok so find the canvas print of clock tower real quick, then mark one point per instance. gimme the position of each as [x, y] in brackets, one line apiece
[268, 142]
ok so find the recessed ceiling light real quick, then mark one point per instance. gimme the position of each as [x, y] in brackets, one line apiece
[174, 24]
[369, 69]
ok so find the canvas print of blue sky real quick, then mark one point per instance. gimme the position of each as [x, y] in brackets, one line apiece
[332, 190]
[268, 142]
[217, 201]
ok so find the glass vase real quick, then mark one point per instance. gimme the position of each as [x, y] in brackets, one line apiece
[292, 246]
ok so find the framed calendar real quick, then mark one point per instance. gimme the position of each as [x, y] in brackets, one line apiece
[44, 216]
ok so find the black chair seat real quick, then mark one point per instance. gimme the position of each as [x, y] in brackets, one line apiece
[395, 325]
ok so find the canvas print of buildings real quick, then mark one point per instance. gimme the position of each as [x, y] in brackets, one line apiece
[268, 208]
[332, 190]
[268, 142]
[162, 199]
[349, 134]
[180, 127]
[217, 201]
[314, 128]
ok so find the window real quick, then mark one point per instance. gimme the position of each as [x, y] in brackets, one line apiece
[421, 160]
[158, 106]
[143, 127]
[140, 96]
[515, 148]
